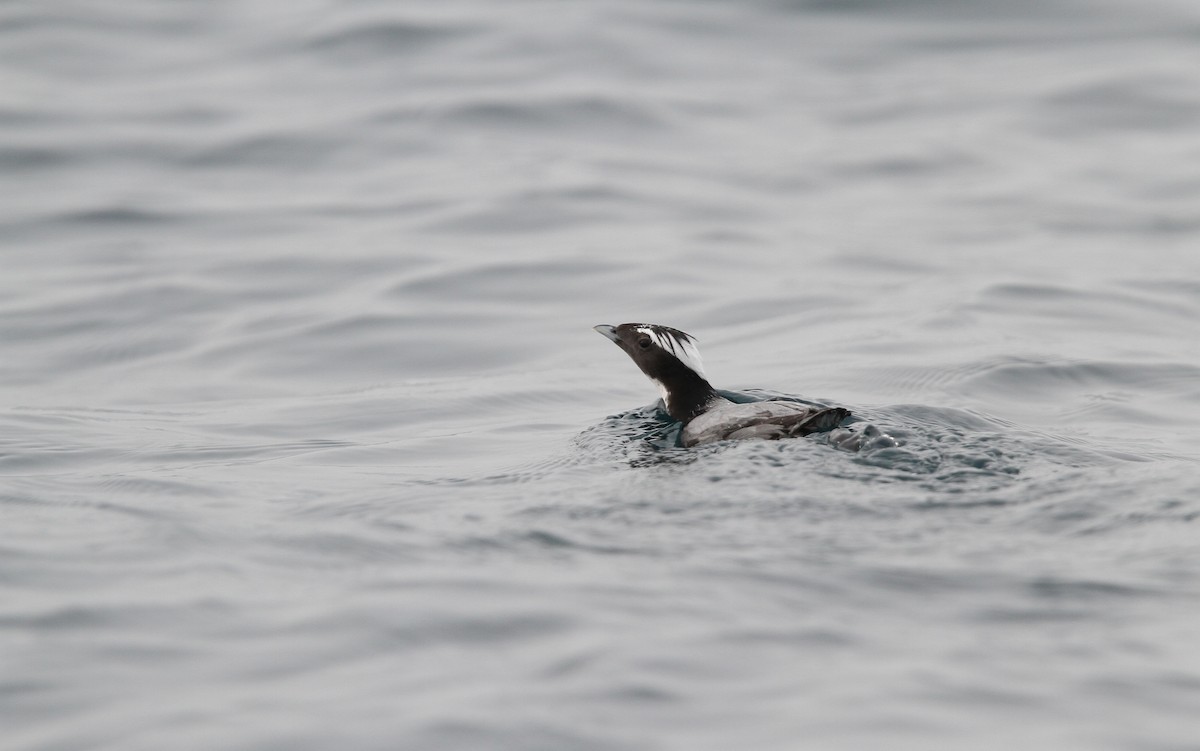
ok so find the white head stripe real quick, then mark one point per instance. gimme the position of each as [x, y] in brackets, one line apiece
[679, 344]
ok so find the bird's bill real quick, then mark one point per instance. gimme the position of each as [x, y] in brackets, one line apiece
[608, 331]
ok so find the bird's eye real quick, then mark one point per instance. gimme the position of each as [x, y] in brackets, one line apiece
[644, 343]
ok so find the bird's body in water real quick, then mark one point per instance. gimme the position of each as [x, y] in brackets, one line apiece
[669, 357]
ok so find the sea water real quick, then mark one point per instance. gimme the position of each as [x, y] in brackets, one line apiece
[306, 441]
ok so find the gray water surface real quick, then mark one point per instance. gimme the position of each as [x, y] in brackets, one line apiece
[306, 441]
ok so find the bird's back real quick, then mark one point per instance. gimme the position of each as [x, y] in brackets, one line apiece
[764, 420]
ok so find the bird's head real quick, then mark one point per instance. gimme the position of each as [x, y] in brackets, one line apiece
[669, 357]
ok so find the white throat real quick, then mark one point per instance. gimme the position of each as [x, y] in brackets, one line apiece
[666, 395]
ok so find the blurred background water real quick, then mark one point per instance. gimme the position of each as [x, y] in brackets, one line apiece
[306, 442]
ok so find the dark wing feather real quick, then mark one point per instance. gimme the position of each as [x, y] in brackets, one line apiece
[819, 422]
[792, 426]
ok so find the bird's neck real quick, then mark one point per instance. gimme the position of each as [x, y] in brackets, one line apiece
[686, 394]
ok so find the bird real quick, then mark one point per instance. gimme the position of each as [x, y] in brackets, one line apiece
[670, 358]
